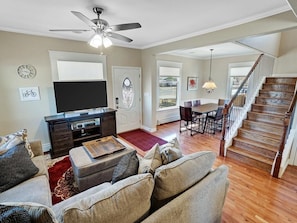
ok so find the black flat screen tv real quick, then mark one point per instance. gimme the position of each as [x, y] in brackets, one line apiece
[80, 95]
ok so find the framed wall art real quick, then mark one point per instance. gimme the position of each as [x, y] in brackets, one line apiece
[29, 94]
[192, 83]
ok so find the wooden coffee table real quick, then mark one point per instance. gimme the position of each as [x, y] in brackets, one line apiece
[89, 171]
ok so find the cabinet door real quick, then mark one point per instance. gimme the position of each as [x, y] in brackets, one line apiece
[61, 138]
[108, 125]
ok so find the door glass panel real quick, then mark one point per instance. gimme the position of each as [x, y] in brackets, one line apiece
[127, 93]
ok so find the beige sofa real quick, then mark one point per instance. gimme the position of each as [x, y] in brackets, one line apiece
[36, 189]
[186, 190]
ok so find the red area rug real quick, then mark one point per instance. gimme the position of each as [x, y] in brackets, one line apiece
[61, 180]
[143, 140]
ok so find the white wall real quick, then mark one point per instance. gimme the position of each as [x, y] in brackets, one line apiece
[269, 44]
[17, 49]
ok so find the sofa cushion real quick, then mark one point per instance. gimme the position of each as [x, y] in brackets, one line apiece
[16, 166]
[12, 214]
[9, 141]
[59, 207]
[151, 161]
[177, 176]
[36, 189]
[125, 201]
[127, 166]
[38, 213]
[40, 163]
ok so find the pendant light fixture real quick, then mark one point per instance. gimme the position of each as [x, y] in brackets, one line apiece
[209, 85]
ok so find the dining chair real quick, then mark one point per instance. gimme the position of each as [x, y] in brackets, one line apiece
[200, 116]
[196, 102]
[222, 102]
[188, 104]
[214, 122]
[188, 121]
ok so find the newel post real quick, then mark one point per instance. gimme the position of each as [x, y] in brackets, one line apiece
[222, 141]
[279, 154]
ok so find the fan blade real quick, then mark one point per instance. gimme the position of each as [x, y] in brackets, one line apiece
[119, 37]
[84, 19]
[70, 30]
[125, 26]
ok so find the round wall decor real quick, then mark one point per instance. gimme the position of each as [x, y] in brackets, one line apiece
[26, 71]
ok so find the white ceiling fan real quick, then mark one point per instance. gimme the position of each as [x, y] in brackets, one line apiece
[102, 30]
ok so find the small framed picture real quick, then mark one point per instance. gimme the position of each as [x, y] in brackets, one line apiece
[192, 83]
[29, 94]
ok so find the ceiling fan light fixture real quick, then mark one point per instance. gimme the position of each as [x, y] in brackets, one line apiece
[103, 31]
[106, 42]
[96, 41]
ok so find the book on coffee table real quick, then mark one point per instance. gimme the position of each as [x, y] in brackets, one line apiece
[103, 146]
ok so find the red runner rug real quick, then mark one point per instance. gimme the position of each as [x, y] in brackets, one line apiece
[61, 180]
[143, 140]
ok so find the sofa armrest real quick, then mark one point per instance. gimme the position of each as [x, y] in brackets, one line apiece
[36, 147]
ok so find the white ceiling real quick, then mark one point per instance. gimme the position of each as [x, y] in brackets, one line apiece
[162, 21]
[219, 50]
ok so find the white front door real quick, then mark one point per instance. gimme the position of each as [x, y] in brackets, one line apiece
[127, 97]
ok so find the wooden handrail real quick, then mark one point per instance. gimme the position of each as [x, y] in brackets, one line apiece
[293, 102]
[228, 106]
[287, 122]
[245, 80]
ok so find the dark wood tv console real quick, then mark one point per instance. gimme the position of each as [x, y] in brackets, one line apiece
[68, 132]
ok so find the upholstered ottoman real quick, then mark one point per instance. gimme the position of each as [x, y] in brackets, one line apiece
[88, 171]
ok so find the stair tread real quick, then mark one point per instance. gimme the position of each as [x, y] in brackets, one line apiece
[269, 124]
[261, 124]
[251, 155]
[273, 98]
[270, 105]
[279, 83]
[257, 144]
[272, 90]
[262, 133]
[271, 83]
[268, 114]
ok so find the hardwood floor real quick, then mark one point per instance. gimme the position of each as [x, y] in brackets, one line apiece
[253, 195]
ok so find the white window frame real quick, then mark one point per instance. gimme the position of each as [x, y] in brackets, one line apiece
[242, 65]
[172, 69]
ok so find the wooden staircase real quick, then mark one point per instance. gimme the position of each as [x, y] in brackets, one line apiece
[259, 138]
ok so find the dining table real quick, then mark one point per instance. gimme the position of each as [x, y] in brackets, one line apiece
[204, 109]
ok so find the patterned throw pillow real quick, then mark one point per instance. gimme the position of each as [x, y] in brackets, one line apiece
[9, 141]
[13, 214]
[170, 151]
[151, 161]
[38, 213]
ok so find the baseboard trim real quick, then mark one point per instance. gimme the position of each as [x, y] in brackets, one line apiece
[167, 120]
[148, 129]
